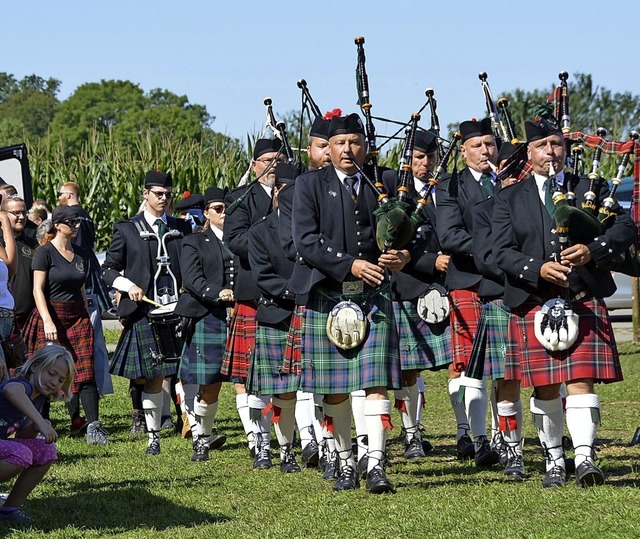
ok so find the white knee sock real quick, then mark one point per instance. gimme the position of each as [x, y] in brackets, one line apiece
[284, 426]
[409, 412]
[583, 418]
[304, 417]
[421, 390]
[242, 405]
[357, 405]
[476, 403]
[260, 424]
[190, 392]
[374, 409]
[152, 406]
[340, 415]
[458, 408]
[205, 416]
[548, 418]
[510, 417]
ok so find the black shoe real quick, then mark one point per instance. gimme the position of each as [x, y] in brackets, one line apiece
[378, 482]
[216, 441]
[427, 446]
[485, 456]
[514, 470]
[330, 472]
[413, 449]
[262, 460]
[465, 448]
[347, 480]
[362, 466]
[588, 475]
[310, 455]
[154, 446]
[200, 449]
[569, 465]
[288, 462]
[555, 477]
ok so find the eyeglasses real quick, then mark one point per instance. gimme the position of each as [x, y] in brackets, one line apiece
[267, 161]
[18, 213]
[218, 208]
[60, 193]
[162, 194]
[72, 223]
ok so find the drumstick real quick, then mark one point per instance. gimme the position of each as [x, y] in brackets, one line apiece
[155, 304]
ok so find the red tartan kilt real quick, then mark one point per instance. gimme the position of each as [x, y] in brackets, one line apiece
[466, 309]
[75, 333]
[241, 341]
[593, 356]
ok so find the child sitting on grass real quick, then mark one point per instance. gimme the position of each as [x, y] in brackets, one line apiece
[31, 452]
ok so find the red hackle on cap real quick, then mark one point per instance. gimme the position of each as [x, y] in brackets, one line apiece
[186, 194]
[332, 113]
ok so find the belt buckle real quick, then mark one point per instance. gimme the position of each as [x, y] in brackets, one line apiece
[353, 287]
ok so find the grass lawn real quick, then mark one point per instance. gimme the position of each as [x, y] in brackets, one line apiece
[117, 491]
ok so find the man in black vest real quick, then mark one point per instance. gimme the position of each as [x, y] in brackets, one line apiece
[133, 251]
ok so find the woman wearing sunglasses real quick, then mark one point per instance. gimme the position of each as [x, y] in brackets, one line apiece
[59, 273]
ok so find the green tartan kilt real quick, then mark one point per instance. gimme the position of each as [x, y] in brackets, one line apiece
[422, 346]
[266, 372]
[136, 354]
[327, 369]
[202, 354]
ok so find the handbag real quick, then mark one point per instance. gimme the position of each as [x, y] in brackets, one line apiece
[14, 348]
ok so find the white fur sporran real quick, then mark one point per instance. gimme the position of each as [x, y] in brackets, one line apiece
[347, 325]
[556, 325]
[433, 305]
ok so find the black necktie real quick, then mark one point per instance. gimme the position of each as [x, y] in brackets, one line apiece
[162, 228]
[350, 182]
[548, 198]
[487, 182]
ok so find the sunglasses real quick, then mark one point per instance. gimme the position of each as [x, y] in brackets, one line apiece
[72, 223]
[218, 208]
[162, 194]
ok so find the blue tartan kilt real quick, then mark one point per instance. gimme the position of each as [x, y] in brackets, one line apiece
[327, 369]
[136, 354]
[266, 372]
[202, 353]
[422, 346]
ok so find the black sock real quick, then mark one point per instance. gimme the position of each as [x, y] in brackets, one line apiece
[90, 397]
[135, 390]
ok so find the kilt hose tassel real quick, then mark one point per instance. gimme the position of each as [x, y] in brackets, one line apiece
[507, 423]
[327, 423]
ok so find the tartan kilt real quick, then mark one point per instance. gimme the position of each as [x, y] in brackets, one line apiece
[422, 346]
[293, 350]
[327, 369]
[75, 333]
[496, 317]
[241, 340]
[594, 354]
[134, 354]
[203, 352]
[466, 309]
[266, 373]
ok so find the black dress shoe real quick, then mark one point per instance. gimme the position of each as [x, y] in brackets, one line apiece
[555, 477]
[347, 480]
[330, 472]
[378, 482]
[362, 466]
[216, 441]
[200, 449]
[154, 446]
[485, 456]
[262, 460]
[514, 470]
[588, 475]
[413, 449]
[465, 448]
[288, 462]
[310, 455]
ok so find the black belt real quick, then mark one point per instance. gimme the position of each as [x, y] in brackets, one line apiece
[576, 297]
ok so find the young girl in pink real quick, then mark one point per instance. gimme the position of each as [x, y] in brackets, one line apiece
[29, 454]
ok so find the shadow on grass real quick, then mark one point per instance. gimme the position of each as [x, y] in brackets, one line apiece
[121, 508]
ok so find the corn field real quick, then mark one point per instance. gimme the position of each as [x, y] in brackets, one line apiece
[110, 174]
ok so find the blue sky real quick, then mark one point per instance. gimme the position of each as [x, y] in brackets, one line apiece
[229, 56]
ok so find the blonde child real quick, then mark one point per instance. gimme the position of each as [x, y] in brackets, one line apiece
[28, 455]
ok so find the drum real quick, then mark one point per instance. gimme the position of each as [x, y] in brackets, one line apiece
[167, 333]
